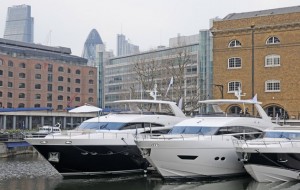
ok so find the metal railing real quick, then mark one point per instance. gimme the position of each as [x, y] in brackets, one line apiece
[267, 143]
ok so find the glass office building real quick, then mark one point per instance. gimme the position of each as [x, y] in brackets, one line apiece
[89, 50]
[19, 24]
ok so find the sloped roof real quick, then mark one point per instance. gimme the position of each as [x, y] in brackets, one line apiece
[285, 10]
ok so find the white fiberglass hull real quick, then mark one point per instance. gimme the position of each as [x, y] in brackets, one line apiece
[212, 156]
[263, 173]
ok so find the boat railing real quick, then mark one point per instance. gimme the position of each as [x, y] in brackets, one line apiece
[267, 143]
[198, 137]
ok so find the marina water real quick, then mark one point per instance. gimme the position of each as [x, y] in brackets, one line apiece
[32, 172]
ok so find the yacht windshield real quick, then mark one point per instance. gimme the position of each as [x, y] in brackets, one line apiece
[280, 134]
[101, 125]
[193, 130]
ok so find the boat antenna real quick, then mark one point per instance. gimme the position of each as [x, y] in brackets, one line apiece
[239, 94]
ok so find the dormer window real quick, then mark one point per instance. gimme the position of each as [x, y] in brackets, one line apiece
[234, 43]
[273, 40]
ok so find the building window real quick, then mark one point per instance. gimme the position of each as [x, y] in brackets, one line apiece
[21, 95]
[22, 75]
[38, 66]
[77, 99]
[38, 76]
[10, 63]
[50, 77]
[274, 111]
[272, 86]
[49, 97]
[91, 90]
[1, 62]
[49, 87]
[10, 74]
[21, 105]
[60, 97]
[272, 40]
[233, 86]
[60, 69]
[69, 70]
[77, 89]
[60, 107]
[235, 109]
[77, 72]
[68, 89]
[9, 94]
[49, 105]
[22, 65]
[234, 43]
[60, 78]
[21, 85]
[234, 62]
[9, 84]
[37, 96]
[60, 88]
[77, 81]
[1, 94]
[91, 99]
[272, 60]
[37, 105]
[1, 83]
[69, 79]
[91, 72]
[9, 105]
[50, 68]
[91, 82]
[37, 86]
[1, 72]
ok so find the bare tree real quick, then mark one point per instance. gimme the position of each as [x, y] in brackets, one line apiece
[181, 68]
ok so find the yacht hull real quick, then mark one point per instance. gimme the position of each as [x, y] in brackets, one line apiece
[189, 159]
[84, 159]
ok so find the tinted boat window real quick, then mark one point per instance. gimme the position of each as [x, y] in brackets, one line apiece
[193, 130]
[101, 125]
[279, 134]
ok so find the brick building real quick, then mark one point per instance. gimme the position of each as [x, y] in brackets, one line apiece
[259, 51]
[36, 77]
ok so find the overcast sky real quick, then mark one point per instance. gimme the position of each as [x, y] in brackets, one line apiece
[147, 23]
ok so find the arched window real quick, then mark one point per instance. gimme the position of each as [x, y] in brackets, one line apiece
[10, 74]
[10, 63]
[91, 90]
[1, 72]
[77, 89]
[60, 78]
[38, 66]
[21, 95]
[91, 99]
[9, 105]
[77, 72]
[38, 76]
[276, 111]
[272, 86]
[37, 96]
[37, 86]
[272, 60]
[9, 94]
[21, 105]
[37, 105]
[234, 62]
[60, 107]
[273, 40]
[69, 70]
[77, 81]
[91, 82]
[234, 109]
[22, 75]
[234, 86]
[60, 97]
[60, 88]
[234, 43]
[77, 99]
[21, 85]
[22, 65]
[91, 72]
[60, 69]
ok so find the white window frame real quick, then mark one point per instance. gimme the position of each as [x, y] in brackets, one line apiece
[272, 86]
[234, 43]
[233, 86]
[270, 60]
[272, 40]
[235, 63]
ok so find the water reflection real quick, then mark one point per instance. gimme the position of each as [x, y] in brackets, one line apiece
[32, 172]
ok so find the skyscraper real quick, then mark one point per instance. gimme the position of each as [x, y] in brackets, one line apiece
[124, 47]
[89, 50]
[19, 24]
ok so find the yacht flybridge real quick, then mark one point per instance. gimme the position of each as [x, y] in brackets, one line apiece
[105, 144]
[275, 156]
[202, 146]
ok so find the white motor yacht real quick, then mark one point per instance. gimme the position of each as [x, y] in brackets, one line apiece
[273, 157]
[105, 144]
[202, 146]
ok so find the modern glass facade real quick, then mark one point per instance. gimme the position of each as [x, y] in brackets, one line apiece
[124, 47]
[19, 24]
[89, 50]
